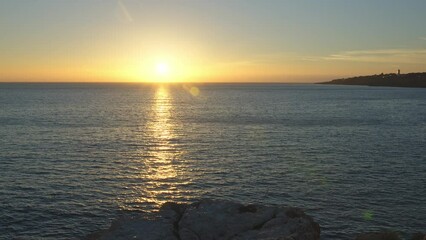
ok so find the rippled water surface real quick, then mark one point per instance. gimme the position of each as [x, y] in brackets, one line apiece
[75, 156]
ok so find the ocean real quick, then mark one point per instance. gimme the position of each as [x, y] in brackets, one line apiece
[74, 157]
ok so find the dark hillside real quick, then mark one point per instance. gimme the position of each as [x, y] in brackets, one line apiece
[391, 80]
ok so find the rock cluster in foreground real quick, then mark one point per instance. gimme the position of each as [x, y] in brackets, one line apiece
[388, 236]
[212, 219]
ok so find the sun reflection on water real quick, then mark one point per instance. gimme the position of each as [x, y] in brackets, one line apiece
[162, 171]
[161, 130]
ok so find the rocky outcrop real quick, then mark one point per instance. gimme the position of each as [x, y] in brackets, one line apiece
[419, 236]
[211, 219]
[388, 236]
[378, 236]
[390, 80]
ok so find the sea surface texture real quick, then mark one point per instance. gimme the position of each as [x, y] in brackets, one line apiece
[73, 157]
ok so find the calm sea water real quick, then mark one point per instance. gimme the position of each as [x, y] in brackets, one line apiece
[73, 157]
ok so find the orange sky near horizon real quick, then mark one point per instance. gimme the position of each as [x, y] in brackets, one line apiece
[201, 41]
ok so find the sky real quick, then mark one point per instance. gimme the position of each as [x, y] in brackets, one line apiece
[209, 41]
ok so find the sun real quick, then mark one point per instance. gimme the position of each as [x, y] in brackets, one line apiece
[162, 69]
[165, 69]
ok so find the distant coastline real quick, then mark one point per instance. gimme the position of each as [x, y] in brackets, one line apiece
[414, 80]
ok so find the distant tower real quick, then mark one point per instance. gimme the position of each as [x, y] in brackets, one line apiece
[399, 71]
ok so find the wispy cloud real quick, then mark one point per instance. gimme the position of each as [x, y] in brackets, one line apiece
[376, 56]
[124, 12]
[260, 59]
[423, 38]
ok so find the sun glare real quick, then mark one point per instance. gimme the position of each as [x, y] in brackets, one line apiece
[162, 69]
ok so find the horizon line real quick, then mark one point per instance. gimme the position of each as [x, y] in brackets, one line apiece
[148, 83]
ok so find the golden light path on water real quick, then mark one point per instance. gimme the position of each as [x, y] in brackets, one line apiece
[161, 170]
[158, 171]
[161, 128]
